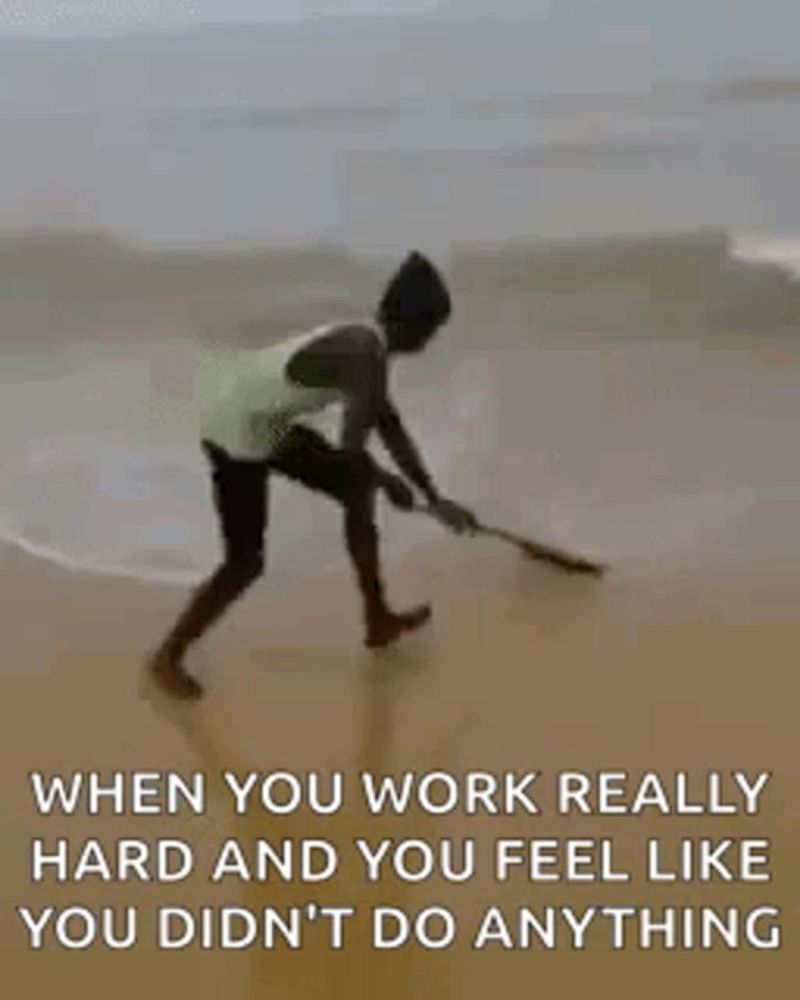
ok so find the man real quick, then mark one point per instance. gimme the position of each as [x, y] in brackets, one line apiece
[254, 404]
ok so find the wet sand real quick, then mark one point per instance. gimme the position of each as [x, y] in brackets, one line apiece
[522, 669]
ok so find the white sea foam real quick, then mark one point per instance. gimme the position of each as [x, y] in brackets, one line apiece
[639, 451]
[782, 251]
[76, 564]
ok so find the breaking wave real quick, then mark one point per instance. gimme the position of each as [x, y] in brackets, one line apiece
[101, 471]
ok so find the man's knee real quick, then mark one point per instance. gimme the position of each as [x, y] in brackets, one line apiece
[243, 568]
[361, 482]
[359, 525]
[359, 504]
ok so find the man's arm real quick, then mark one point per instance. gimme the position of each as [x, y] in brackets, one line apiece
[405, 453]
[407, 456]
[366, 394]
[351, 360]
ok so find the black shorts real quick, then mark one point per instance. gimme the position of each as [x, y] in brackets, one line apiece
[241, 486]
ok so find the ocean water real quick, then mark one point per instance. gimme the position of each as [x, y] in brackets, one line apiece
[376, 136]
[618, 216]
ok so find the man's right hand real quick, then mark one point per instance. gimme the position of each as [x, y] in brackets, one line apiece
[455, 517]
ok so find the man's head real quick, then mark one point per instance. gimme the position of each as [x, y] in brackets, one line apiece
[415, 304]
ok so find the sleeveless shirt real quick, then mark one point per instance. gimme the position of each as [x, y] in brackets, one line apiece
[247, 402]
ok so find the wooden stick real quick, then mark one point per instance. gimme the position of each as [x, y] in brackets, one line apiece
[531, 549]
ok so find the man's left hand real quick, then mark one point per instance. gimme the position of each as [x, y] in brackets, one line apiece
[398, 491]
[454, 516]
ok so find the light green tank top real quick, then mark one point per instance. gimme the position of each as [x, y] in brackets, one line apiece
[247, 402]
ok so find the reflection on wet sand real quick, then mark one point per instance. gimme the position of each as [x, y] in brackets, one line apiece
[317, 970]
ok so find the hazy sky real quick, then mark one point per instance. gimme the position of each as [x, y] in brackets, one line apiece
[81, 15]
[85, 14]
[766, 18]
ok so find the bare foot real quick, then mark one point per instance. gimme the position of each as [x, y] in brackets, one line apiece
[173, 678]
[389, 627]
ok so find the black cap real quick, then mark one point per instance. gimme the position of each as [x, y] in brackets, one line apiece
[416, 292]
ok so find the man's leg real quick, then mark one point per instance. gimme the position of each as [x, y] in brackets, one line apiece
[240, 496]
[307, 458]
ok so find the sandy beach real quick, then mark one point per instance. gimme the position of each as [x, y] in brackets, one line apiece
[522, 670]
[612, 196]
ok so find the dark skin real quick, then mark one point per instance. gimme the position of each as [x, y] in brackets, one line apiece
[351, 360]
